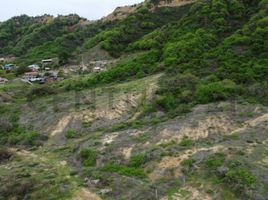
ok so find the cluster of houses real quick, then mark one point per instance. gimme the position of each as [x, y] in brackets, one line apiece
[45, 73]
[35, 73]
[42, 74]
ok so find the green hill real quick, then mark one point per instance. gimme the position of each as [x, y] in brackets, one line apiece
[180, 114]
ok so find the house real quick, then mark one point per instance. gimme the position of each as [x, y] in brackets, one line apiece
[101, 63]
[8, 67]
[47, 62]
[50, 62]
[97, 69]
[98, 66]
[31, 76]
[3, 80]
[42, 80]
[52, 73]
[34, 67]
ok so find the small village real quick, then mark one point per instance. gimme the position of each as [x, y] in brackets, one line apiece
[49, 72]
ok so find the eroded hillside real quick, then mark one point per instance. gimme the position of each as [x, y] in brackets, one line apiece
[112, 151]
[180, 114]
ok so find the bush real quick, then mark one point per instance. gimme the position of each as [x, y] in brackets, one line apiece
[40, 91]
[124, 170]
[167, 102]
[215, 91]
[22, 136]
[4, 154]
[215, 161]
[188, 165]
[137, 160]
[240, 178]
[142, 137]
[12, 133]
[88, 157]
[70, 134]
[186, 142]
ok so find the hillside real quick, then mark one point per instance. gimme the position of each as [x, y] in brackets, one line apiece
[181, 113]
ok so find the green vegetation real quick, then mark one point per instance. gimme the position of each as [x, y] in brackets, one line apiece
[215, 161]
[70, 134]
[5, 154]
[232, 173]
[133, 169]
[138, 160]
[124, 170]
[205, 52]
[209, 55]
[11, 132]
[88, 157]
[203, 42]
[35, 38]
[119, 38]
[186, 142]
[215, 91]
[142, 137]
[240, 178]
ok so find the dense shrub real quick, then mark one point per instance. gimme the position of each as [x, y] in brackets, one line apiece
[138, 160]
[70, 133]
[4, 154]
[12, 132]
[40, 91]
[186, 142]
[124, 170]
[167, 101]
[240, 178]
[215, 91]
[117, 39]
[88, 157]
[214, 161]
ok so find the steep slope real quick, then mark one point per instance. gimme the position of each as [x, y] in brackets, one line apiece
[116, 39]
[34, 38]
[214, 44]
[183, 115]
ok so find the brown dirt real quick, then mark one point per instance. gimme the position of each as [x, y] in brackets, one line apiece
[209, 124]
[170, 162]
[84, 194]
[194, 194]
[174, 3]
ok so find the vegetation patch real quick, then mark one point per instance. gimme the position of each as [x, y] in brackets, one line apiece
[4, 154]
[215, 161]
[88, 157]
[71, 133]
[138, 160]
[143, 137]
[11, 132]
[125, 170]
[186, 142]
[240, 178]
